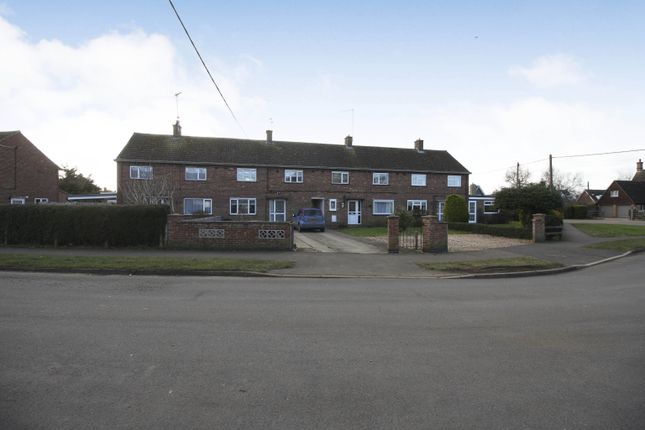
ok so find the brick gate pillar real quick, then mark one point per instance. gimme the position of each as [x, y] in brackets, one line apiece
[435, 234]
[393, 234]
[539, 227]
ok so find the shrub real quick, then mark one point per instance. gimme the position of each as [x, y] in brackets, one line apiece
[95, 225]
[528, 200]
[456, 209]
[410, 219]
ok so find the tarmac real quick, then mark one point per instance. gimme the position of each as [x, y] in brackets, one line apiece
[571, 252]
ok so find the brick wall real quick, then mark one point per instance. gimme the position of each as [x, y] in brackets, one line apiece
[222, 184]
[228, 235]
[26, 172]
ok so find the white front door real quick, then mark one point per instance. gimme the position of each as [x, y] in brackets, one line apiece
[472, 211]
[277, 210]
[440, 211]
[353, 212]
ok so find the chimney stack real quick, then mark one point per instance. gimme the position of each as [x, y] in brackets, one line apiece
[418, 145]
[348, 141]
[639, 165]
[269, 136]
[176, 129]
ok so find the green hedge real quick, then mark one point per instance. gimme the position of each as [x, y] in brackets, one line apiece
[575, 212]
[95, 225]
[493, 230]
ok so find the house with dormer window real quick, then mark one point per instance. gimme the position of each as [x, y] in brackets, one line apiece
[269, 180]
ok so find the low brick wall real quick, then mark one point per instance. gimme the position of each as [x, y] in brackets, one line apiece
[185, 232]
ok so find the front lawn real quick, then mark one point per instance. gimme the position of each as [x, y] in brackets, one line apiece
[620, 245]
[610, 230]
[496, 265]
[134, 264]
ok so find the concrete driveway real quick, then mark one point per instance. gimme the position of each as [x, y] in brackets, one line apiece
[332, 241]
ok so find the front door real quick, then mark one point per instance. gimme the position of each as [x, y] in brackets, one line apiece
[472, 211]
[440, 211]
[277, 210]
[353, 212]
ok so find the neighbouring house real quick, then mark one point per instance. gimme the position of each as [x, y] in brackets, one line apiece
[479, 204]
[624, 198]
[269, 180]
[26, 174]
[589, 198]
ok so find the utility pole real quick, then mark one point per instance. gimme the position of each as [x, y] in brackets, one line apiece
[551, 172]
[517, 175]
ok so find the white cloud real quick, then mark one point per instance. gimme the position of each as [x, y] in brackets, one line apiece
[80, 104]
[551, 71]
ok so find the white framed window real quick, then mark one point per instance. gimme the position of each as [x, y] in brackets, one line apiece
[246, 175]
[197, 205]
[440, 207]
[293, 176]
[41, 200]
[613, 193]
[418, 180]
[454, 180]
[242, 206]
[420, 205]
[18, 200]
[333, 205]
[195, 173]
[340, 178]
[383, 207]
[489, 207]
[140, 172]
[380, 178]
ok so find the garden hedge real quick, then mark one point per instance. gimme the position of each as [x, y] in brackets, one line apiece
[92, 225]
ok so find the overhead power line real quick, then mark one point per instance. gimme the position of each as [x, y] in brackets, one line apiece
[599, 153]
[206, 67]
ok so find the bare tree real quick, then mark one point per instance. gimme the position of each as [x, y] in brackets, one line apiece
[156, 191]
[517, 177]
[570, 185]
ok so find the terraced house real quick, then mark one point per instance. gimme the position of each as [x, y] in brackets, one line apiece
[268, 180]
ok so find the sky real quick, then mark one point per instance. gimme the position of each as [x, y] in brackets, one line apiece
[495, 83]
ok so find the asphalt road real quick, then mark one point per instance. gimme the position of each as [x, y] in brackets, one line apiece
[113, 352]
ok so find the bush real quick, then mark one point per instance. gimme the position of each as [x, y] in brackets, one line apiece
[528, 200]
[456, 209]
[95, 225]
[409, 219]
[575, 212]
[493, 230]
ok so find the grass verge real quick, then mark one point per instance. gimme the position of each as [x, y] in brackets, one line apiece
[610, 230]
[134, 264]
[620, 245]
[496, 265]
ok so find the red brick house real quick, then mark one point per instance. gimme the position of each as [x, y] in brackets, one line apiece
[267, 180]
[623, 198]
[26, 174]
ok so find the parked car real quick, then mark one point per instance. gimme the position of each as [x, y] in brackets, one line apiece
[309, 219]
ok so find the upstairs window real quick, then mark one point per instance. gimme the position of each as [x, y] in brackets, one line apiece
[195, 173]
[454, 181]
[418, 180]
[246, 175]
[341, 178]
[613, 193]
[293, 176]
[380, 178]
[140, 172]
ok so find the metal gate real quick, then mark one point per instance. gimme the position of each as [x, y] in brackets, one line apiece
[411, 238]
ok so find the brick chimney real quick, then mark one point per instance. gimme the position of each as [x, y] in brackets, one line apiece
[639, 165]
[348, 141]
[269, 136]
[176, 129]
[418, 145]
